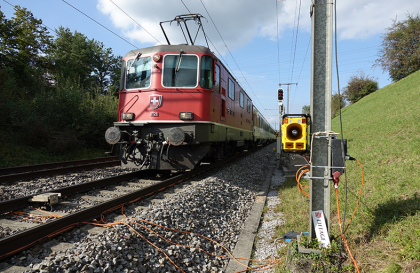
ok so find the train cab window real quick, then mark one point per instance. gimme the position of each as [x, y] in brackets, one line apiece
[249, 106]
[231, 89]
[241, 99]
[217, 78]
[180, 71]
[206, 72]
[138, 73]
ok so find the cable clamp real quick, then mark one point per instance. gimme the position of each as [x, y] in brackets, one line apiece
[313, 177]
[332, 167]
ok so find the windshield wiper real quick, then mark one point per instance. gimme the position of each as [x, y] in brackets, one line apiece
[179, 61]
[137, 57]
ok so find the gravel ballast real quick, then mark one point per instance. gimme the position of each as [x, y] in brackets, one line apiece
[18, 189]
[214, 207]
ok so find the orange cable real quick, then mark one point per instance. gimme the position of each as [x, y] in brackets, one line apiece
[360, 194]
[298, 177]
[49, 213]
[154, 246]
[342, 234]
[209, 239]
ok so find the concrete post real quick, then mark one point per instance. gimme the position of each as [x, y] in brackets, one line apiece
[321, 81]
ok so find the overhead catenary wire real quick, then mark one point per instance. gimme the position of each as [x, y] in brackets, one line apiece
[99, 23]
[301, 69]
[135, 21]
[186, 6]
[294, 51]
[278, 40]
[215, 48]
[14, 7]
[231, 54]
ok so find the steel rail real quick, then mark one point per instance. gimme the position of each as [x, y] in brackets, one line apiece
[35, 171]
[22, 240]
[17, 203]
[28, 168]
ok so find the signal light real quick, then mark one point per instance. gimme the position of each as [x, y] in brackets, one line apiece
[294, 136]
[280, 92]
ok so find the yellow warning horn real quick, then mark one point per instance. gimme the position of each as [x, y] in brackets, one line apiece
[294, 133]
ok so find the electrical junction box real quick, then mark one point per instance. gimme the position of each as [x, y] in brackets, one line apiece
[337, 159]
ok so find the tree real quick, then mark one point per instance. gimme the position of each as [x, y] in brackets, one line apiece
[400, 52]
[306, 109]
[107, 68]
[88, 62]
[358, 87]
[73, 57]
[23, 45]
[336, 102]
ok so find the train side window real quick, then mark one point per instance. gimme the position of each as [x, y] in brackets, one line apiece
[217, 78]
[122, 75]
[231, 89]
[241, 99]
[249, 106]
[138, 73]
[206, 72]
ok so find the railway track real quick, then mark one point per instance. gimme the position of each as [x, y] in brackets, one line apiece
[84, 213]
[41, 170]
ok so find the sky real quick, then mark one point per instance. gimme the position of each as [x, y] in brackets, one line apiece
[263, 43]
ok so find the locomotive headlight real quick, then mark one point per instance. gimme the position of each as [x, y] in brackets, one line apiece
[156, 57]
[186, 115]
[112, 135]
[127, 116]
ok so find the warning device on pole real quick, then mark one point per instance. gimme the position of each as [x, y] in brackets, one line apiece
[294, 133]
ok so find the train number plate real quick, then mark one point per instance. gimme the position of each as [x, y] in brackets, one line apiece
[154, 114]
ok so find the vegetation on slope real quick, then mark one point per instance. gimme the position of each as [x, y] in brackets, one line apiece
[383, 133]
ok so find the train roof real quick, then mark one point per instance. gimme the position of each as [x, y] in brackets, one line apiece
[169, 48]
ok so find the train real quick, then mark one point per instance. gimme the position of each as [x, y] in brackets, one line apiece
[179, 106]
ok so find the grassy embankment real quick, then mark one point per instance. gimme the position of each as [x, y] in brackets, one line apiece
[383, 132]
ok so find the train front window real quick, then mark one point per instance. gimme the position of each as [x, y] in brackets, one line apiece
[138, 73]
[180, 71]
[206, 72]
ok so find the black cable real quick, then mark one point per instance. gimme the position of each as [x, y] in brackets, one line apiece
[341, 123]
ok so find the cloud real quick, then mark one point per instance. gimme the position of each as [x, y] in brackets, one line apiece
[242, 20]
[237, 21]
[360, 19]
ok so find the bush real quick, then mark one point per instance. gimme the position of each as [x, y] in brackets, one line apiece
[64, 119]
[335, 102]
[358, 87]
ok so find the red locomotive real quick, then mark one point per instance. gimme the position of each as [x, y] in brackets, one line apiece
[178, 105]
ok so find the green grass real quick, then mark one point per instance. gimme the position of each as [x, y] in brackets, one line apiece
[16, 153]
[383, 132]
